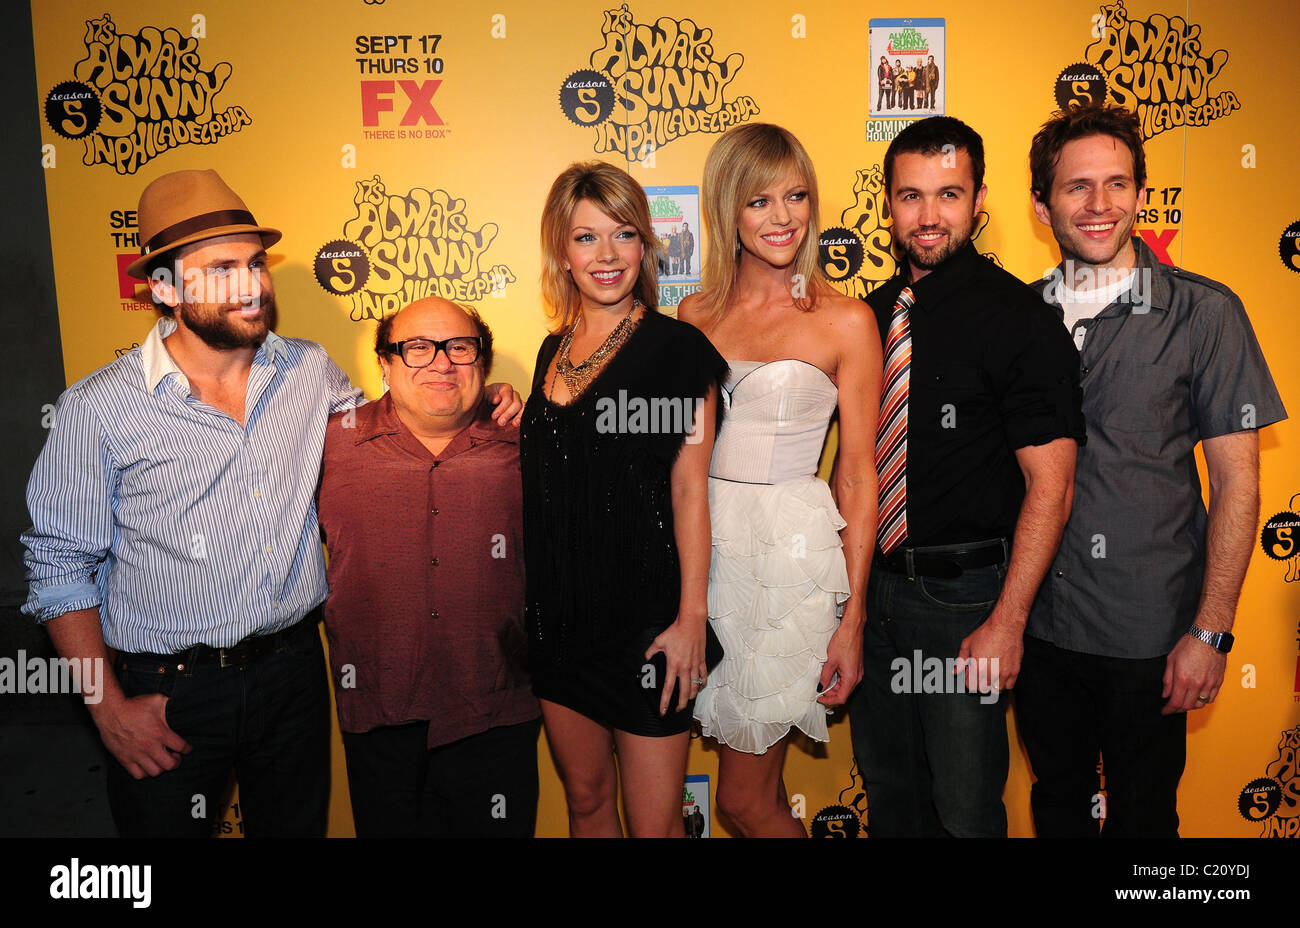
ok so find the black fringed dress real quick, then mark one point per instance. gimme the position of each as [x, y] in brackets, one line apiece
[603, 579]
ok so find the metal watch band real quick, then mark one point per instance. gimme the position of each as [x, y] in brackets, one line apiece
[1220, 641]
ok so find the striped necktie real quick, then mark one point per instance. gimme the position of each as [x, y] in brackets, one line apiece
[891, 434]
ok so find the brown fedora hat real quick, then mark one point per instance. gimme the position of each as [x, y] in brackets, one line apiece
[190, 206]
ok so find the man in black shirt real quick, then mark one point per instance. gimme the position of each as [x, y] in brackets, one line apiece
[978, 432]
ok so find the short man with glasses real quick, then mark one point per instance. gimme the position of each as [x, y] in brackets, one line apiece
[420, 508]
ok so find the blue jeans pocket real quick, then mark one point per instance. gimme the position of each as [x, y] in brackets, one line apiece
[145, 678]
[974, 589]
[138, 678]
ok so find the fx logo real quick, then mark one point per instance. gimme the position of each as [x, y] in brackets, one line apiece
[376, 98]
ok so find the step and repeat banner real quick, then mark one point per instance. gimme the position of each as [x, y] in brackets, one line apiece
[405, 149]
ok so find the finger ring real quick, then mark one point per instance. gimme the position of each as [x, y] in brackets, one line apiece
[697, 682]
[1202, 698]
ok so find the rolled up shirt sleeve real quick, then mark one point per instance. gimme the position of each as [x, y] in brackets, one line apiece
[70, 499]
[1042, 399]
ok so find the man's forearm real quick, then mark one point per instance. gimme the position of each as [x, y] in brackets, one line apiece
[79, 634]
[1229, 540]
[1038, 534]
[1232, 463]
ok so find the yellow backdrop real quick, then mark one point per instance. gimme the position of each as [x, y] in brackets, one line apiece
[428, 134]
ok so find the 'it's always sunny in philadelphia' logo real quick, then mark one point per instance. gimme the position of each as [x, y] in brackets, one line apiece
[1279, 539]
[136, 95]
[649, 84]
[402, 247]
[856, 256]
[1273, 800]
[1156, 68]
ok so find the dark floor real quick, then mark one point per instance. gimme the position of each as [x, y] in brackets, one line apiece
[52, 781]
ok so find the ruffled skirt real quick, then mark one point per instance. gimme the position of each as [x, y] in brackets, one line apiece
[776, 578]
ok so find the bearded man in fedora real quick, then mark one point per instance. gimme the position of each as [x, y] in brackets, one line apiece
[175, 533]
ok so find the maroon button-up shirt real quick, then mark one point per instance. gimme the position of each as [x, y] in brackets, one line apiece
[426, 575]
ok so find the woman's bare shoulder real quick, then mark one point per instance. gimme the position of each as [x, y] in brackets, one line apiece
[846, 313]
[691, 310]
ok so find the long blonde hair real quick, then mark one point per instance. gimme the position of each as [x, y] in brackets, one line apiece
[742, 162]
[618, 196]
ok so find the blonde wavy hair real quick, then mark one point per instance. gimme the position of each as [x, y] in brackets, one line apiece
[618, 196]
[744, 161]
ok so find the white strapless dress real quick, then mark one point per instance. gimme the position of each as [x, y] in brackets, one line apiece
[777, 573]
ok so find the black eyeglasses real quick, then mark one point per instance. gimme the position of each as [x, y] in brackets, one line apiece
[420, 352]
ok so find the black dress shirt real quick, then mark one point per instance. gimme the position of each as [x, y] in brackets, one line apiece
[993, 370]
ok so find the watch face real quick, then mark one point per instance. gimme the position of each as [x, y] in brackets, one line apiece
[1225, 642]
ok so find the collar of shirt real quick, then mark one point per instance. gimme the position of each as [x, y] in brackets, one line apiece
[158, 361]
[947, 278]
[380, 418]
[1150, 288]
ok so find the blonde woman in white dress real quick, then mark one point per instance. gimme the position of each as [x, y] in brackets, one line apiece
[786, 561]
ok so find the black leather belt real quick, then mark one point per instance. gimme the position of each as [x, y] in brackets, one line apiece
[943, 561]
[237, 655]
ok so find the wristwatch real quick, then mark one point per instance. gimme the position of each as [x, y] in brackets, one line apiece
[1220, 641]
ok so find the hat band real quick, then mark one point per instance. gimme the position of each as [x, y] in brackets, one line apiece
[212, 220]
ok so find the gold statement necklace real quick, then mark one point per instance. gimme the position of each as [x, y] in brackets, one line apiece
[578, 376]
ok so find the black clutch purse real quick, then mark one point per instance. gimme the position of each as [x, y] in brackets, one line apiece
[652, 688]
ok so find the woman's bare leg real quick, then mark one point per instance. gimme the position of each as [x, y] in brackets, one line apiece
[751, 793]
[653, 771]
[583, 751]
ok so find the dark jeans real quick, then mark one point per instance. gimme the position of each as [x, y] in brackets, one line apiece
[1072, 707]
[483, 786]
[932, 762]
[268, 720]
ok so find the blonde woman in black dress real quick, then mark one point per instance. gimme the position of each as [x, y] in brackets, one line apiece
[615, 446]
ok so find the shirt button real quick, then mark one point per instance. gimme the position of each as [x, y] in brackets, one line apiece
[436, 511]
[435, 562]
[1086, 369]
[270, 549]
[257, 494]
[1060, 573]
[433, 614]
[434, 464]
[275, 604]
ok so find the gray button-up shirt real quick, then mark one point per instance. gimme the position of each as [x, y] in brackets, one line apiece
[1173, 361]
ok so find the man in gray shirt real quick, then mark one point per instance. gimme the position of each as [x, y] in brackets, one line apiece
[1132, 625]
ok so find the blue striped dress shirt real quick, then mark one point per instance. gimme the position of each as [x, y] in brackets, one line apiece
[181, 526]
